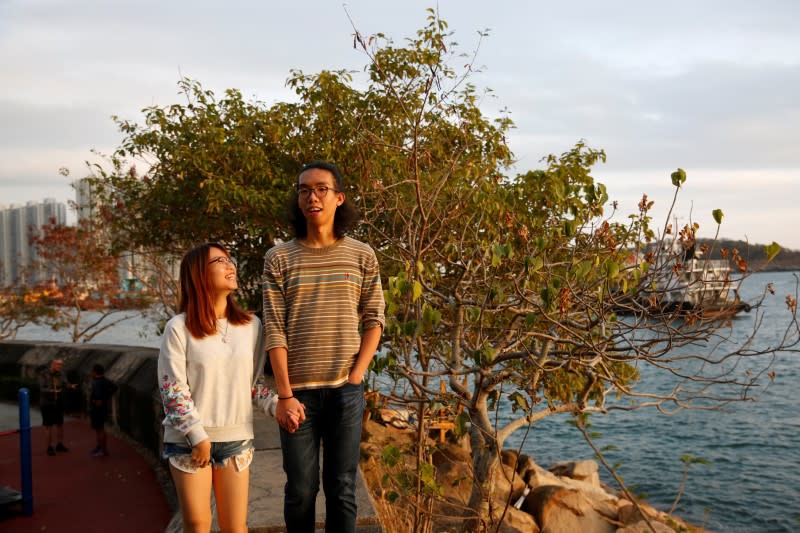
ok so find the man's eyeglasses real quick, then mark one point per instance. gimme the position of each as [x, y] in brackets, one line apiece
[223, 260]
[320, 191]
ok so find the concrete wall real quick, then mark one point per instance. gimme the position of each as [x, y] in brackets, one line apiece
[136, 407]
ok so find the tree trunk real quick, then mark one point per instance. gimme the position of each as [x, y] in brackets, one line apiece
[485, 462]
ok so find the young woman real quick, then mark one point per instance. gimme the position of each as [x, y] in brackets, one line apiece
[211, 355]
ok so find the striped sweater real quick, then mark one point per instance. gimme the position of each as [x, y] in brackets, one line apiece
[316, 303]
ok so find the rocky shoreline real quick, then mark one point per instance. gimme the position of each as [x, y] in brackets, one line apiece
[564, 498]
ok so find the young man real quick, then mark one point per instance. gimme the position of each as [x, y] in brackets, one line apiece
[323, 318]
[100, 398]
[52, 385]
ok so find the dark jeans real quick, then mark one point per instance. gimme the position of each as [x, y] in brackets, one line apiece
[334, 417]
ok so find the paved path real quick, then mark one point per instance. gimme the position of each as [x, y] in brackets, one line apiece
[75, 492]
[122, 493]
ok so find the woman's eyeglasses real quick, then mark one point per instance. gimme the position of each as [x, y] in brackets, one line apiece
[223, 260]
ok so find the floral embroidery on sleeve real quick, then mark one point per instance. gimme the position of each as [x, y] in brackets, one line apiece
[178, 405]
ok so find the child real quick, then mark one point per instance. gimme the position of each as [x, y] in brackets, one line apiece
[102, 390]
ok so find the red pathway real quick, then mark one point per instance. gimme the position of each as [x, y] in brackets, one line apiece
[75, 492]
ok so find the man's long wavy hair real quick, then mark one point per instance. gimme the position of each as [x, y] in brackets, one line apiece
[195, 299]
[346, 214]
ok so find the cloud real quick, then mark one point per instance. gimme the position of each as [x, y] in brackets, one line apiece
[711, 115]
[759, 205]
[710, 86]
[28, 126]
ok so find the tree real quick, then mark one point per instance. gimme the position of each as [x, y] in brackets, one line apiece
[518, 290]
[83, 277]
[216, 171]
[522, 290]
[20, 306]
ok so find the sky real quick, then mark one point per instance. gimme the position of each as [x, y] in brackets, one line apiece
[712, 87]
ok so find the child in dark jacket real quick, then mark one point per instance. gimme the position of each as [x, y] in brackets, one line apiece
[100, 398]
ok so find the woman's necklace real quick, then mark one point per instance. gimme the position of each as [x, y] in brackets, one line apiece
[225, 333]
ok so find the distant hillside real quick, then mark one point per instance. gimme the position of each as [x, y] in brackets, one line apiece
[754, 254]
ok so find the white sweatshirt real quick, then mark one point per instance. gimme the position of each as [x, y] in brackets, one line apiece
[205, 384]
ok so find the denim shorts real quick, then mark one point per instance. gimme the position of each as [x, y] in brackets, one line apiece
[180, 456]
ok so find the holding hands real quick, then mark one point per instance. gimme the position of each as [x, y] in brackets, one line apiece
[287, 410]
[290, 413]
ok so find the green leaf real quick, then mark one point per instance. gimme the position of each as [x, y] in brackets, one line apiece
[582, 269]
[497, 255]
[461, 424]
[409, 328]
[611, 269]
[535, 263]
[689, 459]
[548, 295]
[771, 250]
[717, 214]
[519, 402]
[417, 290]
[488, 354]
[678, 177]
[428, 474]
[431, 316]
[390, 455]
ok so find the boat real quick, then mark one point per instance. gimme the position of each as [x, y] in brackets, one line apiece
[697, 284]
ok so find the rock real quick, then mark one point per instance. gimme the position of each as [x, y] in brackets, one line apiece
[580, 470]
[538, 477]
[628, 514]
[604, 503]
[399, 418]
[559, 509]
[642, 527]
[509, 458]
[580, 475]
[516, 521]
[595, 493]
[377, 436]
[524, 464]
[564, 504]
[454, 473]
[508, 486]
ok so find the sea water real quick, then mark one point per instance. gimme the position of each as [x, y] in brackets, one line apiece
[133, 330]
[752, 481]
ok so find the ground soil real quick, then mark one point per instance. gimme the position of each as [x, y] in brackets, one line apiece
[388, 454]
[394, 514]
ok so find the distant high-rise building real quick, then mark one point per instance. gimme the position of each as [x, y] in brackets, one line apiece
[85, 199]
[17, 253]
[5, 247]
[131, 265]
